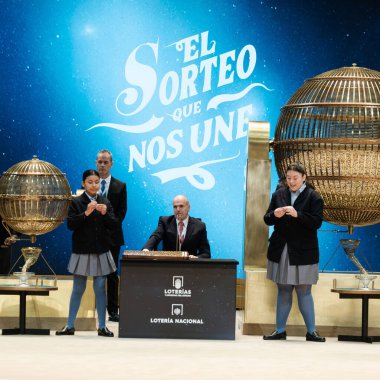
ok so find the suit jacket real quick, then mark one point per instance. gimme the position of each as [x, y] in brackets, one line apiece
[117, 195]
[196, 242]
[90, 233]
[300, 234]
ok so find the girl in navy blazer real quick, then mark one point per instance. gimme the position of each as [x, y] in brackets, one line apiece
[90, 216]
[296, 212]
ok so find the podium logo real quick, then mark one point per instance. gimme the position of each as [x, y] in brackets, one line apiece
[178, 282]
[177, 312]
[177, 309]
[178, 289]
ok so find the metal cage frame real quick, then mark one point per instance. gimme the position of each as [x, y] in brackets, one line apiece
[331, 125]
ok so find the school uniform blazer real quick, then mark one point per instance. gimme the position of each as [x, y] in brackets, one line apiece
[300, 234]
[196, 242]
[117, 195]
[90, 233]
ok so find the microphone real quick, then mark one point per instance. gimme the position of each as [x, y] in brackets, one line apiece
[176, 236]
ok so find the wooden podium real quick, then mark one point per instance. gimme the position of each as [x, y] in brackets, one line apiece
[175, 297]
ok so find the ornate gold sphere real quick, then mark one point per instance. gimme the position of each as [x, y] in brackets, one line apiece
[331, 125]
[34, 197]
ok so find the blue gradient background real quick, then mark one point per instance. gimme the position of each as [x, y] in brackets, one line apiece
[62, 65]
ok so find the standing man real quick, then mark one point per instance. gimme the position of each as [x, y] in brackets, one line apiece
[116, 192]
[181, 232]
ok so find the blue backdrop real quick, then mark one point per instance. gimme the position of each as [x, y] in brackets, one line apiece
[168, 87]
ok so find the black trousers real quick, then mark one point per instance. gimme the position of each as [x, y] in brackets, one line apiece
[113, 285]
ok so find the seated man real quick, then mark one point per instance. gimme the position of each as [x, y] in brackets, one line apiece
[181, 232]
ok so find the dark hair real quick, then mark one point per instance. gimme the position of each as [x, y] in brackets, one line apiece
[296, 167]
[89, 172]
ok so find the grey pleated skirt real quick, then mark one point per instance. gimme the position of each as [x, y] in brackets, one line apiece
[286, 274]
[91, 264]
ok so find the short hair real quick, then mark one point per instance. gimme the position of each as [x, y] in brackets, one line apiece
[104, 151]
[88, 173]
[182, 196]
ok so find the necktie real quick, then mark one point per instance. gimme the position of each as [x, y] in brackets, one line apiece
[181, 237]
[103, 188]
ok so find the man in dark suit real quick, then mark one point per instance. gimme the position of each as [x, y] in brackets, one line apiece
[181, 232]
[116, 192]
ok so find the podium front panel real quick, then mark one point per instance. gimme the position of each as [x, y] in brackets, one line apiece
[177, 299]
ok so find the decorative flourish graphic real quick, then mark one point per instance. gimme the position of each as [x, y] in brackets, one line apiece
[219, 99]
[191, 172]
[148, 126]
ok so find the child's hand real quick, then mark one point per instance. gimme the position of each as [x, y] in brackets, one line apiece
[90, 208]
[101, 208]
[290, 210]
[279, 212]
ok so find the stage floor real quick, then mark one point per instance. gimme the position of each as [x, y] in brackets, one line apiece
[87, 356]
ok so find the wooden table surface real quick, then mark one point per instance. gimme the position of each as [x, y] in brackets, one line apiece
[359, 291]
